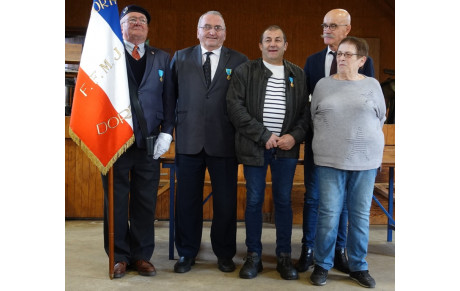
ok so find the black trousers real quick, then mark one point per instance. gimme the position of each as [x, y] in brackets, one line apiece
[135, 186]
[223, 172]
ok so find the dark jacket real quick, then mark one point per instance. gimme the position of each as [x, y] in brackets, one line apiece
[245, 104]
[202, 121]
[155, 94]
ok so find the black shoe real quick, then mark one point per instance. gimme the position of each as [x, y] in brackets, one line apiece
[285, 267]
[251, 267]
[226, 265]
[305, 260]
[184, 264]
[319, 276]
[341, 261]
[363, 278]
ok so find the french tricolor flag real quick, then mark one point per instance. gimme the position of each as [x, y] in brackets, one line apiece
[101, 121]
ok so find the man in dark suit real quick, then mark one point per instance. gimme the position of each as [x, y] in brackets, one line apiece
[136, 174]
[205, 139]
[336, 26]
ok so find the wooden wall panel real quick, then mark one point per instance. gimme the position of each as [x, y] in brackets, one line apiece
[173, 24]
[84, 194]
[69, 176]
[83, 186]
[389, 132]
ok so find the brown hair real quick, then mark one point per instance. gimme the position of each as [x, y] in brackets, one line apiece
[362, 48]
[271, 28]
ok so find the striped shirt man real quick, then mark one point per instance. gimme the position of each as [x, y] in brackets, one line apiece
[275, 99]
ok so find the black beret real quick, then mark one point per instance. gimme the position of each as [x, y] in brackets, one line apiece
[135, 8]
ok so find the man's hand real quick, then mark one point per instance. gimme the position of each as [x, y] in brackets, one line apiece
[161, 145]
[272, 142]
[286, 142]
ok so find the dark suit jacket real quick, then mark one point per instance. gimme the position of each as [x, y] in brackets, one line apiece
[155, 96]
[202, 120]
[314, 69]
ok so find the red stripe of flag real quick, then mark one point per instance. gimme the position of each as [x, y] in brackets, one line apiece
[97, 124]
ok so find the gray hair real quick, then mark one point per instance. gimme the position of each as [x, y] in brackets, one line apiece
[212, 13]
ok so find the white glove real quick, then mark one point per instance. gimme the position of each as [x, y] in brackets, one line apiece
[161, 145]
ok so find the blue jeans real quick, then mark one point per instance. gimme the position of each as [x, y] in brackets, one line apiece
[311, 202]
[335, 186]
[282, 170]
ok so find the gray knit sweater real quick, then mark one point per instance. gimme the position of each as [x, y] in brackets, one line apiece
[348, 117]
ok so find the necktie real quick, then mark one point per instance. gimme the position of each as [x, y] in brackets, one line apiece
[207, 69]
[334, 63]
[136, 54]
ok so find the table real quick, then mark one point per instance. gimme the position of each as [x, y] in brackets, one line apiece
[388, 160]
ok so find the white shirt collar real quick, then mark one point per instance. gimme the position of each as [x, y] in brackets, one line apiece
[216, 51]
[130, 46]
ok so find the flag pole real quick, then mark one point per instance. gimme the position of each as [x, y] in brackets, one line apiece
[111, 227]
[109, 99]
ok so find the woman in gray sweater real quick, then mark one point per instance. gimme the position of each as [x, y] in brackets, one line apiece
[348, 112]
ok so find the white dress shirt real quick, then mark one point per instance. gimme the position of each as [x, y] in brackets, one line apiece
[214, 58]
[328, 62]
[130, 46]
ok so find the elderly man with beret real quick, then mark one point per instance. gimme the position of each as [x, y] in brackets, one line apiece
[136, 173]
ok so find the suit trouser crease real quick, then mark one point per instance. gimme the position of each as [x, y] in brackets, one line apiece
[136, 181]
[223, 172]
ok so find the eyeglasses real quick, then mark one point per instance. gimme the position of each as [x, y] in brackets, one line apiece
[332, 26]
[208, 27]
[133, 20]
[347, 54]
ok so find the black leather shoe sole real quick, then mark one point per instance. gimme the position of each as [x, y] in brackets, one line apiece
[250, 275]
[184, 265]
[318, 282]
[247, 276]
[290, 276]
[319, 276]
[226, 265]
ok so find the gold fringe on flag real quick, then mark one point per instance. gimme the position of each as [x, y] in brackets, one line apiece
[103, 169]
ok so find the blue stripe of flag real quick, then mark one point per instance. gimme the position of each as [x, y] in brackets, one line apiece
[110, 15]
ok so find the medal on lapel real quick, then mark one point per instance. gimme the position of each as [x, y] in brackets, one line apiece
[229, 73]
[292, 81]
[160, 72]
